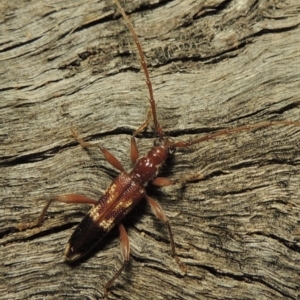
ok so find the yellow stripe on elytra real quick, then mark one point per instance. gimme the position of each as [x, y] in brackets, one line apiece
[124, 204]
[94, 214]
[112, 193]
[106, 224]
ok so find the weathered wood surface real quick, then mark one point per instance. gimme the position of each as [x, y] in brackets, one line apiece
[214, 64]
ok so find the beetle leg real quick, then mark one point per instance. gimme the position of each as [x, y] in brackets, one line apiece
[112, 159]
[134, 151]
[67, 198]
[157, 210]
[162, 181]
[190, 178]
[108, 156]
[145, 124]
[125, 250]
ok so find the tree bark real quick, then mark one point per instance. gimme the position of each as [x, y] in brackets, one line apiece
[213, 65]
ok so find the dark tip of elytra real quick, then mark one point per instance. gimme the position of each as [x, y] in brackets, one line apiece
[69, 255]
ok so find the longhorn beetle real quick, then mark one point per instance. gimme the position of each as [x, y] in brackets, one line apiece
[129, 187]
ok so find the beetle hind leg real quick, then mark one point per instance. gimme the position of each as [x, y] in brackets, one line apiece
[125, 250]
[157, 210]
[67, 198]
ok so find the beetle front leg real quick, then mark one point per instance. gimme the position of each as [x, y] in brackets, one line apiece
[125, 250]
[144, 126]
[108, 156]
[157, 210]
[68, 199]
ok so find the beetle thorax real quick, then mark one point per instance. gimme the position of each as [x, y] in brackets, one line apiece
[147, 167]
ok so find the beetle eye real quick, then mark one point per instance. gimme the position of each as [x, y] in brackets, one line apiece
[171, 150]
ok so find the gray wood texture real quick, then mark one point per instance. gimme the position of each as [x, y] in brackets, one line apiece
[214, 64]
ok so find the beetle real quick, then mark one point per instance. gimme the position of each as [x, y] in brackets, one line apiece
[128, 188]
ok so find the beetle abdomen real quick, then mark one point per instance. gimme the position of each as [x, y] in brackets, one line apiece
[122, 195]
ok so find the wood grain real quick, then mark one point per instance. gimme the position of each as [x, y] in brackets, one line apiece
[214, 64]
